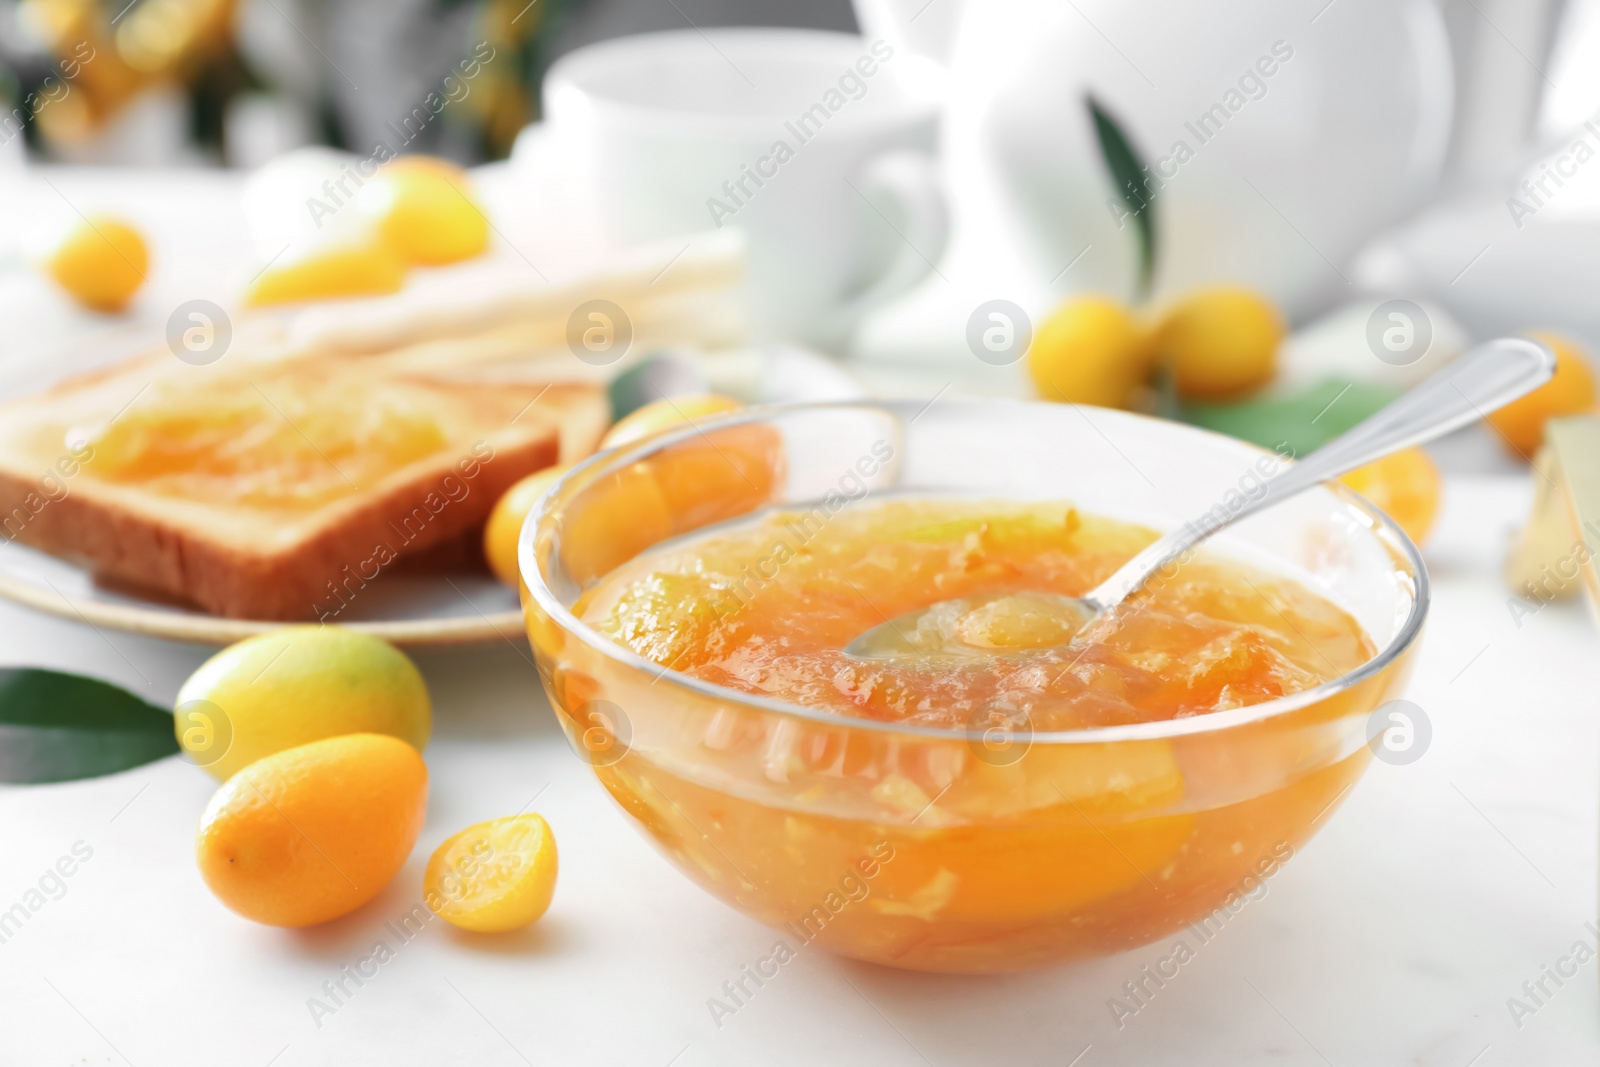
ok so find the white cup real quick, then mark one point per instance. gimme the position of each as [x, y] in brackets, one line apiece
[819, 146]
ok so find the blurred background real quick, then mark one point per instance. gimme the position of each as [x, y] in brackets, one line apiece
[1324, 157]
[1427, 103]
[238, 82]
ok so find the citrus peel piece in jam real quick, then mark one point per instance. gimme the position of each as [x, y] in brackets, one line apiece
[1049, 865]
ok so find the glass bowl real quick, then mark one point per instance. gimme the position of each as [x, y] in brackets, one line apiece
[961, 850]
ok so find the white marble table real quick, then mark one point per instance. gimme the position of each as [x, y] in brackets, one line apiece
[1396, 936]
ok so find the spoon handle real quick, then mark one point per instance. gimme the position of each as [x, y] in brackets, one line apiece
[1475, 383]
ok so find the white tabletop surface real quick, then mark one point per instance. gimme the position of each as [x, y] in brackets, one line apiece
[1395, 936]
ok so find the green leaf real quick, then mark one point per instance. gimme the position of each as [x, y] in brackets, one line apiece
[1128, 176]
[57, 727]
[1303, 422]
[661, 375]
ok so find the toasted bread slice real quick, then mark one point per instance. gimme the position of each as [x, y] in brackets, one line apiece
[271, 492]
[687, 291]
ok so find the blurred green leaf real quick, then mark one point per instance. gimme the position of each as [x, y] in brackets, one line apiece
[1303, 421]
[665, 374]
[57, 727]
[1128, 176]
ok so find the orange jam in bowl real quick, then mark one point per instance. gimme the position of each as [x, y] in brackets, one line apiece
[1014, 795]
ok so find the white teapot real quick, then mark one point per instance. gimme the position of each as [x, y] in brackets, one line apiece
[1279, 136]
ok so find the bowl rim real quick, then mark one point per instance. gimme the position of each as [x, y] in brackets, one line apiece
[1383, 527]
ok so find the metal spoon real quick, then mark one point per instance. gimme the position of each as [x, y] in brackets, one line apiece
[1477, 382]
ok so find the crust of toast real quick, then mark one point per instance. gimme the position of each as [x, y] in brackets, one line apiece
[307, 567]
